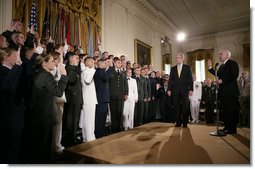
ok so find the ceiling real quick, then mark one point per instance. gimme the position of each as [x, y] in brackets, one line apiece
[201, 17]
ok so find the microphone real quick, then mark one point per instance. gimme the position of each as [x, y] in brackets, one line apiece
[216, 65]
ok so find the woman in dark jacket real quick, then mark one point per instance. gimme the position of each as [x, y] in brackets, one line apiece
[44, 108]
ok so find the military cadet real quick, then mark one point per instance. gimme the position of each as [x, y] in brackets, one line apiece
[208, 99]
[129, 104]
[118, 87]
[89, 100]
[103, 73]
[195, 100]
[144, 73]
[142, 97]
[152, 105]
[74, 98]
[244, 88]
[166, 113]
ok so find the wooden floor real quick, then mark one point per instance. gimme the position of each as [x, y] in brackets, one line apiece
[163, 143]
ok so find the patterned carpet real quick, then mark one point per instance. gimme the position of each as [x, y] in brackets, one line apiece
[163, 143]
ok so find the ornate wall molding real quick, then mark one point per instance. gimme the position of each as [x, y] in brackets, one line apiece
[226, 34]
[157, 15]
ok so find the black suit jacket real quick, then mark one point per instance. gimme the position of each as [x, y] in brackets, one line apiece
[228, 73]
[101, 79]
[11, 98]
[43, 98]
[181, 85]
[153, 86]
[74, 89]
[118, 85]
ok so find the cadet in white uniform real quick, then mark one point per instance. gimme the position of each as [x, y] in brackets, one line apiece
[195, 100]
[89, 100]
[129, 104]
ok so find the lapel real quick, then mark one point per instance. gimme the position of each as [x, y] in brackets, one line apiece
[222, 66]
[176, 70]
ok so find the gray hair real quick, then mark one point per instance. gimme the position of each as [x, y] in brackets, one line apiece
[226, 51]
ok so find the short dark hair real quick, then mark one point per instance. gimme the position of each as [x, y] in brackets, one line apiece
[116, 59]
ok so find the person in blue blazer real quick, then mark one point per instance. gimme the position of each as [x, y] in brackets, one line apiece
[101, 78]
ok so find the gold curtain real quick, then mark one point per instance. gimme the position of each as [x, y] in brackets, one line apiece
[246, 57]
[83, 9]
[200, 54]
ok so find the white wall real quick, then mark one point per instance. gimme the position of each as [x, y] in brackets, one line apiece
[124, 21]
[5, 14]
[232, 40]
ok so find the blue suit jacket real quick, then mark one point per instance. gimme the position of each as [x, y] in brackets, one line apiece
[101, 79]
[11, 98]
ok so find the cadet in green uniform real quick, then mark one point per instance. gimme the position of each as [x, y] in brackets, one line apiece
[142, 97]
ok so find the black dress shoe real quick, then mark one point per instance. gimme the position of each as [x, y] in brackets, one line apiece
[230, 131]
[184, 126]
[223, 130]
[177, 125]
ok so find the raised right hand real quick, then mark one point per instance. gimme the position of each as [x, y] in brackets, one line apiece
[62, 69]
[209, 63]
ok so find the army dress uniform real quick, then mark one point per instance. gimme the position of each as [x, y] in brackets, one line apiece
[118, 87]
[139, 106]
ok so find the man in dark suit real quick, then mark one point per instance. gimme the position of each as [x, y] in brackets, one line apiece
[101, 78]
[118, 93]
[180, 86]
[228, 89]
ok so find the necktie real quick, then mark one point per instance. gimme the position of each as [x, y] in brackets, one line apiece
[179, 70]
[128, 78]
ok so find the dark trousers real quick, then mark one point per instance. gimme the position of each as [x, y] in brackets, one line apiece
[181, 104]
[116, 107]
[165, 112]
[138, 114]
[71, 118]
[42, 143]
[9, 146]
[100, 119]
[152, 111]
[209, 112]
[146, 112]
[230, 112]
